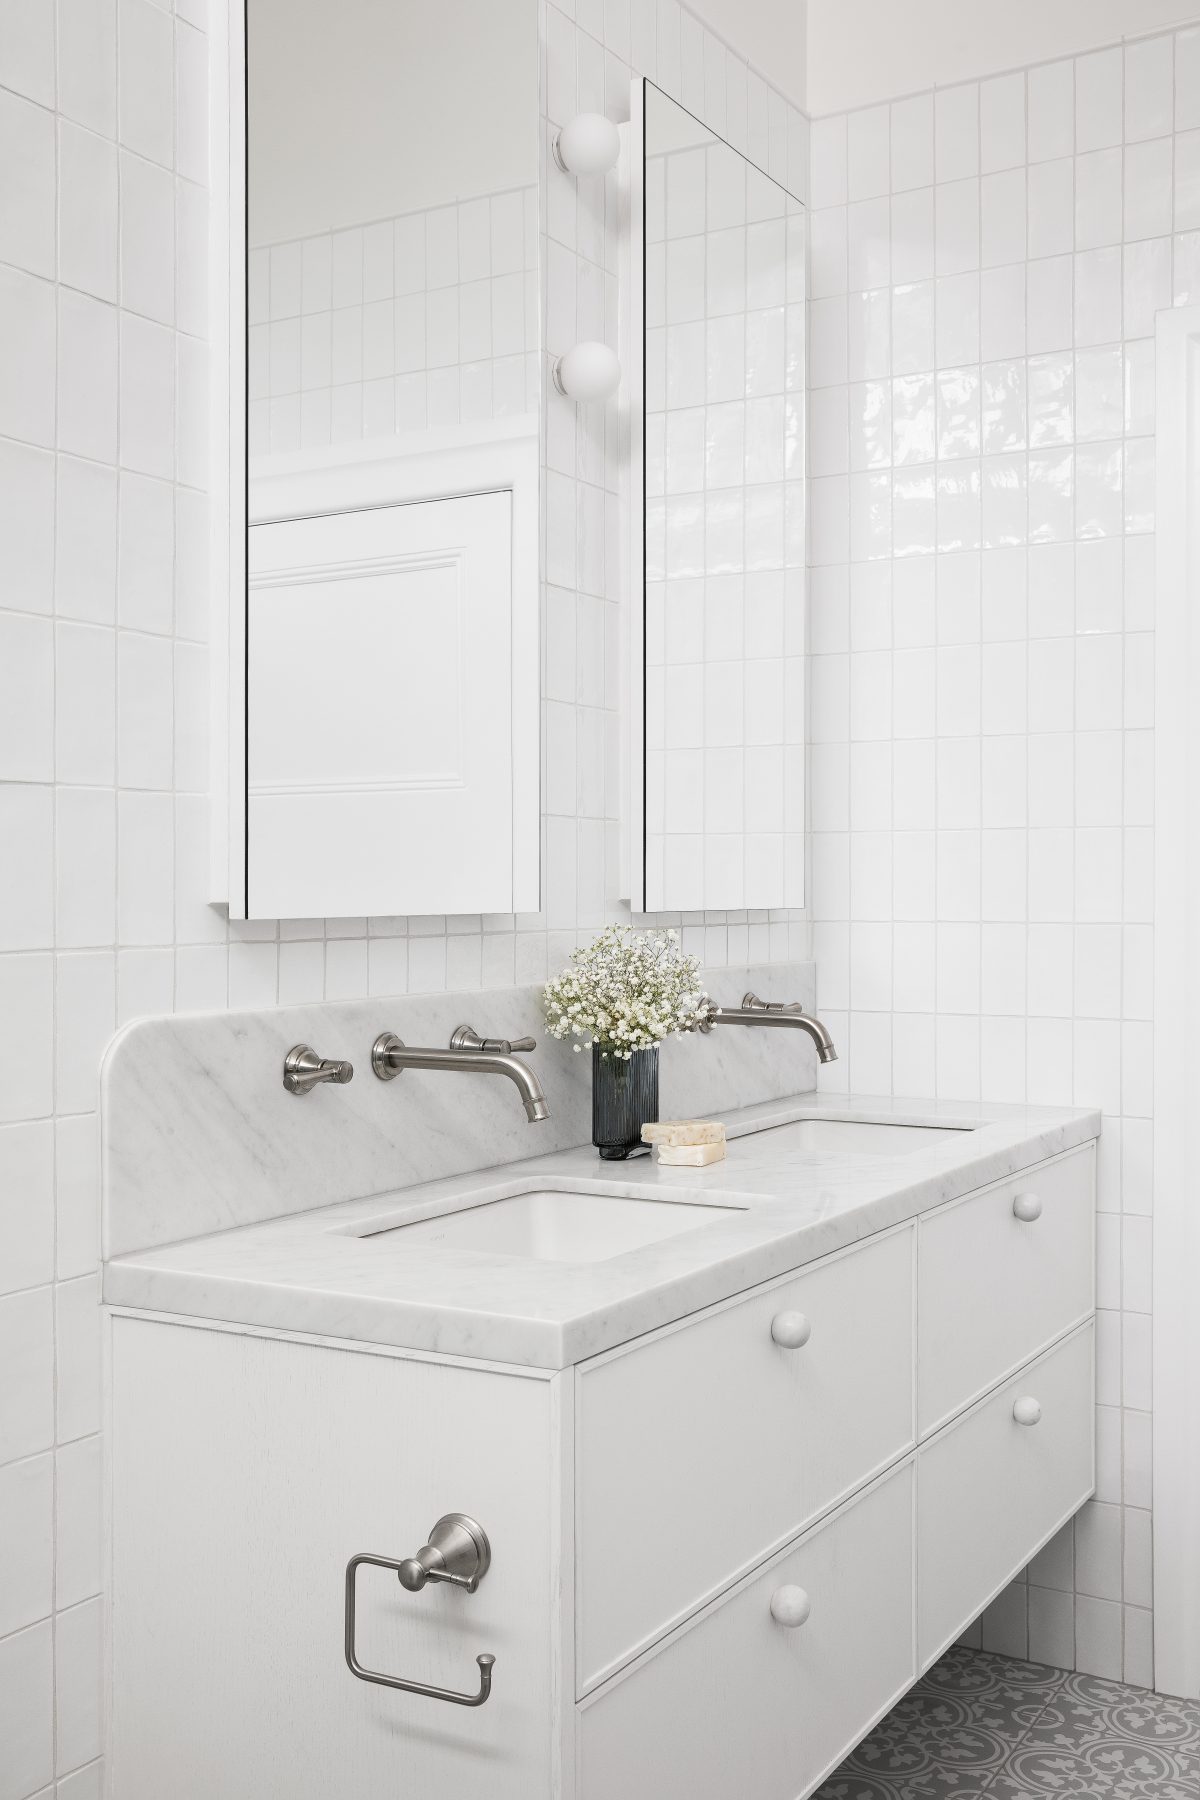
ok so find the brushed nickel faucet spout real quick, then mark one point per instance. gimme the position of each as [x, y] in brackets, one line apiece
[754, 1011]
[469, 1054]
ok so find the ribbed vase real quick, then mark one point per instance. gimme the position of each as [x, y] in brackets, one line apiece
[624, 1098]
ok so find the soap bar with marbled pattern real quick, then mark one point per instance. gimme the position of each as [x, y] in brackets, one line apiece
[684, 1131]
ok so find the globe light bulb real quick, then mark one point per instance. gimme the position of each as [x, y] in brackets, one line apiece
[590, 371]
[589, 145]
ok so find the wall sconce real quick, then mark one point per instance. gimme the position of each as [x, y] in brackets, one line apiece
[590, 371]
[589, 145]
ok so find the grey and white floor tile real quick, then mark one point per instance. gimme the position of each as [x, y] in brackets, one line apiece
[979, 1725]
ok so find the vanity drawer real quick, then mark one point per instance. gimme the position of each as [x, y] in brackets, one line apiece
[994, 1288]
[703, 1448]
[991, 1489]
[740, 1704]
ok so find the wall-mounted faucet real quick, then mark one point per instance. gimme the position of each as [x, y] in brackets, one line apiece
[470, 1054]
[754, 1011]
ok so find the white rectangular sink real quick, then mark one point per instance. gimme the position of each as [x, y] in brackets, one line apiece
[854, 1137]
[547, 1225]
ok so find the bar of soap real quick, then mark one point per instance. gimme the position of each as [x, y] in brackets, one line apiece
[684, 1131]
[690, 1156]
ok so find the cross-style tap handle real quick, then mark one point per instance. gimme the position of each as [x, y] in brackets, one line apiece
[467, 1038]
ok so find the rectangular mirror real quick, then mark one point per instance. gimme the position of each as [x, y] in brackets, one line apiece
[717, 666]
[383, 738]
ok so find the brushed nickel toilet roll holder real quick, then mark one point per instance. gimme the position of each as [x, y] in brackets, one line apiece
[459, 1554]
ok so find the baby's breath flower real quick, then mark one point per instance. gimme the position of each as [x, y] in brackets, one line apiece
[627, 991]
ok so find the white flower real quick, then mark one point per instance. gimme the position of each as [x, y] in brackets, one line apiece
[627, 991]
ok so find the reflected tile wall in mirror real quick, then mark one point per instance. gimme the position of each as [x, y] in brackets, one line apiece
[392, 219]
[725, 523]
[422, 321]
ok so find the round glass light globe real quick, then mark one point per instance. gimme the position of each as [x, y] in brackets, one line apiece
[590, 371]
[589, 145]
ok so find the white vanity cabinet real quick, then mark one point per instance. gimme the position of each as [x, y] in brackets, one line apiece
[719, 1552]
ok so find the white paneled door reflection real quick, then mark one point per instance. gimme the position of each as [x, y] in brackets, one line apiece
[724, 551]
[379, 711]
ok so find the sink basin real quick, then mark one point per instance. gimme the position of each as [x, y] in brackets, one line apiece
[546, 1225]
[854, 1137]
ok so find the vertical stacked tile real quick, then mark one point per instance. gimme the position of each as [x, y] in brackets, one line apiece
[987, 264]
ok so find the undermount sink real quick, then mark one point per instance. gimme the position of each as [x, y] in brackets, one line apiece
[855, 1137]
[548, 1225]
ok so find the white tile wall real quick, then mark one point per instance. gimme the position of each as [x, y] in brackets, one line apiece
[982, 454]
[103, 628]
[425, 320]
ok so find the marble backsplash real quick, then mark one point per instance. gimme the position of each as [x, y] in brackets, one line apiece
[200, 1135]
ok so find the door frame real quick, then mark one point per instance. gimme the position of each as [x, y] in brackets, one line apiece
[1176, 1224]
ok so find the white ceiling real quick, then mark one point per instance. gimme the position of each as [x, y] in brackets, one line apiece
[863, 51]
[361, 109]
[770, 34]
[830, 55]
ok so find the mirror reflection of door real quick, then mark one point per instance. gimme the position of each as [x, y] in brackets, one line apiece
[724, 555]
[393, 383]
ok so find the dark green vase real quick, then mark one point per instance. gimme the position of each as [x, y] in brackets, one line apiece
[624, 1098]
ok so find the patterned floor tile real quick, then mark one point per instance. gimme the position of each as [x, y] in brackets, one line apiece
[980, 1727]
[970, 1671]
[932, 1784]
[1085, 1710]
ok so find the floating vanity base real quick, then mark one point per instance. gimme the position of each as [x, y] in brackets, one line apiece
[719, 1551]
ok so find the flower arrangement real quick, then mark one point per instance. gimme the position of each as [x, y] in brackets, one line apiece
[627, 991]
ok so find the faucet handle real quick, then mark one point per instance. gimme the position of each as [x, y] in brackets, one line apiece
[752, 1003]
[304, 1070]
[467, 1038]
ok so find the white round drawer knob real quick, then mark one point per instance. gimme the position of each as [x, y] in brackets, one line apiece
[790, 1606]
[1027, 1206]
[1027, 1411]
[791, 1331]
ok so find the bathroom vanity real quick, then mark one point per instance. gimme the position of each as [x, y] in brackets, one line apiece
[749, 1445]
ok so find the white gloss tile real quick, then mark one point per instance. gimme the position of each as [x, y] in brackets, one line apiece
[78, 1671]
[26, 1711]
[87, 222]
[956, 132]
[77, 1381]
[147, 238]
[1002, 122]
[26, 703]
[27, 830]
[1149, 88]
[26, 1208]
[26, 1542]
[87, 386]
[1098, 99]
[27, 358]
[27, 199]
[28, 48]
[147, 81]
[27, 1401]
[1051, 111]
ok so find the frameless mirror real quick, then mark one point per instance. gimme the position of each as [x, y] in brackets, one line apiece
[717, 674]
[389, 726]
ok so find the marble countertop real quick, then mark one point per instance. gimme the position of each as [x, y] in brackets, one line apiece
[318, 1272]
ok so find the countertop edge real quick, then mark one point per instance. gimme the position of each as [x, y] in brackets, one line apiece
[473, 1333]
